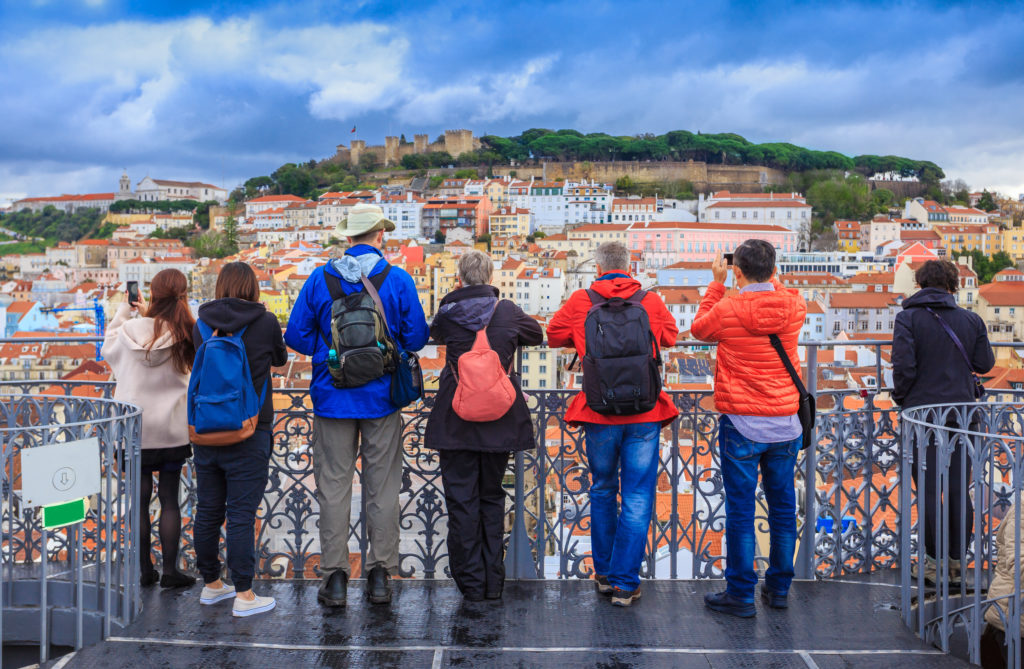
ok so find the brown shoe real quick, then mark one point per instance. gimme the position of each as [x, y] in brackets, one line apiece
[602, 584]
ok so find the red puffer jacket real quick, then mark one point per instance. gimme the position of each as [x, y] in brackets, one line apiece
[750, 380]
[566, 328]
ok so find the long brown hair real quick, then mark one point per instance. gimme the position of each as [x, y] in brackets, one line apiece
[236, 279]
[169, 308]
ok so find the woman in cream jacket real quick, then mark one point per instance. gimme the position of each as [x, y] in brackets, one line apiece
[151, 357]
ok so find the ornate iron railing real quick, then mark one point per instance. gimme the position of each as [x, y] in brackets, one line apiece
[848, 506]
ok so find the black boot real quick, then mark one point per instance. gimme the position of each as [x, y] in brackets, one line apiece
[334, 589]
[378, 586]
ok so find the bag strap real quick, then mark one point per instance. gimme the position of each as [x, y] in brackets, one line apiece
[372, 290]
[956, 340]
[777, 345]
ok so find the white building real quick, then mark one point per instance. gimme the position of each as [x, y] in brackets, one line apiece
[789, 210]
[258, 204]
[151, 190]
[144, 269]
[540, 290]
[405, 212]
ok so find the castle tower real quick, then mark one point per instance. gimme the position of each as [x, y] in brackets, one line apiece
[457, 142]
[356, 150]
[420, 143]
[390, 151]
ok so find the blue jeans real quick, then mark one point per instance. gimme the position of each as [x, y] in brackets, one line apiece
[623, 460]
[740, 460]
[230, 481]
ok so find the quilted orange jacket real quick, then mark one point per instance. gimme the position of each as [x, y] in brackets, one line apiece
[750, 379]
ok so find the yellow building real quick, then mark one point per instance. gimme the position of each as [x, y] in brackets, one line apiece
[276, 302]
[126, 219]
[986, 238]
[443, 268]
[1013, 243]
[509, 222]
[496, 191]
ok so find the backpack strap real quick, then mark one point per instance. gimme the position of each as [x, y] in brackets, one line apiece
[777, 345]
[205, 331]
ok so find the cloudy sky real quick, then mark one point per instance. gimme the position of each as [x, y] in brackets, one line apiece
[223, 91]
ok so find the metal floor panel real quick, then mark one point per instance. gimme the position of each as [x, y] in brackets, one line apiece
[563, 624]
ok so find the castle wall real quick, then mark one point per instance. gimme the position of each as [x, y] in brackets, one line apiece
[700, 174]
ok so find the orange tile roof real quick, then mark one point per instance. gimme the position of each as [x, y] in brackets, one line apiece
[1001, 294]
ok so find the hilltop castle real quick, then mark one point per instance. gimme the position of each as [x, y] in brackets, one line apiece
[455, 142]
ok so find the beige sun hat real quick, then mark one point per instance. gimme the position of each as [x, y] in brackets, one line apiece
[363, 218]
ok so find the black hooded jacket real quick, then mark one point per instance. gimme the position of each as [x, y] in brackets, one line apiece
[462, 313]
[264, 343]
[927, 367]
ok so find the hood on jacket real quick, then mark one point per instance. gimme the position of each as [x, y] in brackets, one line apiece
[470, 307]
[353, 268]
[138, 332]
[230, 313]
[619, 286]
[930, 297]
[767, 312]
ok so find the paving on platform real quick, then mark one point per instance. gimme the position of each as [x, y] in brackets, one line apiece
[563, 624]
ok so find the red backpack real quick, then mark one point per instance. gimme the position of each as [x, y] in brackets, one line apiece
[484, 391]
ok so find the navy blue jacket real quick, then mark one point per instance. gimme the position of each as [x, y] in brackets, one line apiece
[311, 318]
[927, 367]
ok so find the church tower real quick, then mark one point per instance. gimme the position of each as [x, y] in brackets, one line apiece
[125, 187]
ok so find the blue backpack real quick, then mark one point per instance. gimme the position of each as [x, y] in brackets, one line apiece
[220, 413]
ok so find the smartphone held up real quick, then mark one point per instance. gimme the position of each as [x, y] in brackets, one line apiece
[133, 293]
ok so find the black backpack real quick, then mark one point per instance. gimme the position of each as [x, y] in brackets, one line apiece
[361, 346]
[621, 368]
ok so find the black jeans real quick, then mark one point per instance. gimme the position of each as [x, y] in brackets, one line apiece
[230, 481]
[476, 519]
[957, 498]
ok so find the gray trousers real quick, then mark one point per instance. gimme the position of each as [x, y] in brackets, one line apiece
[336, 444]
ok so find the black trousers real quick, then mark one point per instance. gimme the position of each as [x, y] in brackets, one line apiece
[476, 519]
[957, 498]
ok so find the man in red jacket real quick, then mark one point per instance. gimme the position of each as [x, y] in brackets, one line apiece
[759, 425]
[617, 442]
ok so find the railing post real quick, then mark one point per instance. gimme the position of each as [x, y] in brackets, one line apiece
[804, 566]
[519, 560]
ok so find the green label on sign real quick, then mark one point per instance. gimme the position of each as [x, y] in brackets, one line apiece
[66, 513]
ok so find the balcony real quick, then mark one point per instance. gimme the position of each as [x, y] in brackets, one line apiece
[854, 605]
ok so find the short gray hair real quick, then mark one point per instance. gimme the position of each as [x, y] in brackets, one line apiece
[475, 268]
[612, 256]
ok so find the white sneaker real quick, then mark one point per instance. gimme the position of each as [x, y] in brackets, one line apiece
[244, 608]
[214, 595]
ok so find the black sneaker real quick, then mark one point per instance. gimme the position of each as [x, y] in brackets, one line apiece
[774, 599]
[723, 602]
[378, 587]
[334, 589]
[602, 584]
[622, 597]
[176, 580]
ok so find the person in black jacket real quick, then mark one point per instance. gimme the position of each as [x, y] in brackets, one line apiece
[231, 479]
[928, 368]
[474, 455]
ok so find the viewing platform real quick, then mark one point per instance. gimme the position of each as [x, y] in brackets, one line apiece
[854, 603]
[564, 624]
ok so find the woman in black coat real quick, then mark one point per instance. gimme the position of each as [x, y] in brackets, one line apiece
[929, 368]
[474, 456]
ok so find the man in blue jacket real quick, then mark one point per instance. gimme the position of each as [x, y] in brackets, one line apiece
[343, 415]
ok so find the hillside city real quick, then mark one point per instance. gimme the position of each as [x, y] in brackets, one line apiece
[541, 233]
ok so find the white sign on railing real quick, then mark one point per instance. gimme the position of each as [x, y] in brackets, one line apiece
[60, 472]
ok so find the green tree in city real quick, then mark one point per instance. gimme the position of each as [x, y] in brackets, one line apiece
[986, 202]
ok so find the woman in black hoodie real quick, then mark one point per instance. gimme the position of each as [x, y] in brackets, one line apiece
[474, 455]
[928, 367]
[231, 479]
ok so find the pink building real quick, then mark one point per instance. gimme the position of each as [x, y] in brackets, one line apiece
[666, 242]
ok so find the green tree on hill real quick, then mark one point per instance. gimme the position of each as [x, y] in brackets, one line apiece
[986, 202]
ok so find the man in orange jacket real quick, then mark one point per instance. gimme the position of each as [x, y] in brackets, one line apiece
[759, 425]
[617, 442]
